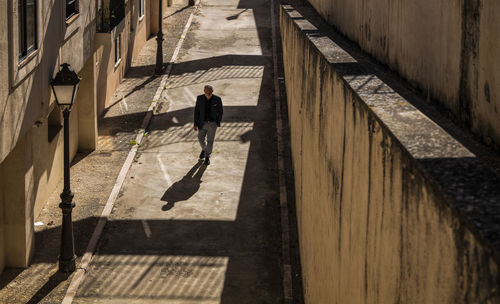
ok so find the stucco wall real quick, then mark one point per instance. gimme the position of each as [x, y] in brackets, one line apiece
[140, 29]
[376, 225]
[153, 6]
[445, 48]
[25, 94]
[108, 74]
[30, 163]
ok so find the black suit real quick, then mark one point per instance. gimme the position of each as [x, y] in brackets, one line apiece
[207, 117]
[200, 110]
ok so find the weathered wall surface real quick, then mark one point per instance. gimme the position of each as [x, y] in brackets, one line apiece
[108, 73]
[375, 223]
[445, 48]
[30, 158]
[25, 94]
[140, 28]
[31, 152]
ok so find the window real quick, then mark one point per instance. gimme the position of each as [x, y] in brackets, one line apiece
[141, 9]
[27, 27]
[118, 52]
[109, 14]
[71, 8]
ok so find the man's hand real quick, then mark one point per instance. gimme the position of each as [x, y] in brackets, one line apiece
[195, 128]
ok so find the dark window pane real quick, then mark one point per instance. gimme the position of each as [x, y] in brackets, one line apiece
[30, 25]
[71, 8]
[110, 14]
[117, 48]
[27, 22]
[22, 29]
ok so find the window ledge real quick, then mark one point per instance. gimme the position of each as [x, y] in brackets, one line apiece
[141, 17]
[118, 62]
[72, 19]
[24, 61]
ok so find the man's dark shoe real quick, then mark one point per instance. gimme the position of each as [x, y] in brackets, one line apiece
[202, 154]
[207, 161]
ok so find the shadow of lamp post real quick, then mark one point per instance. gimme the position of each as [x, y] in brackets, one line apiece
[159, 40]
[64, 86]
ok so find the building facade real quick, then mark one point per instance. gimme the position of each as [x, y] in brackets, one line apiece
[99, 39]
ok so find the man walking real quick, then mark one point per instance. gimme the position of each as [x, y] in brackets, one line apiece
[207, 117]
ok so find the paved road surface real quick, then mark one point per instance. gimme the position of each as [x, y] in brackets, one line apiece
[182, 232]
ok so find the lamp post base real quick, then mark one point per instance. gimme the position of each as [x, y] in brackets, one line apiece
[159, 41]
[159, 71]
[67, 266]
[159, 54]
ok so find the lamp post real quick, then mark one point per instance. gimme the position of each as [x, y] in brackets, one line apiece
[64, 86]
[159, 40]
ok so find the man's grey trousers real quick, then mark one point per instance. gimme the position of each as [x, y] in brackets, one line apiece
[206, 136]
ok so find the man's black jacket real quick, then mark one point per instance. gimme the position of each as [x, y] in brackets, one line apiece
[214, 111]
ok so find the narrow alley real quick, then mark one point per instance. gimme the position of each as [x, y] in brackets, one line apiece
[184, 232]
[179, 231]
[356, 156]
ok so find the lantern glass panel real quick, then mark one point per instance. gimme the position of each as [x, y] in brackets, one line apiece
[64, 94]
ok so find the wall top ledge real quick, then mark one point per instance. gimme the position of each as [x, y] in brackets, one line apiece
[466, 170]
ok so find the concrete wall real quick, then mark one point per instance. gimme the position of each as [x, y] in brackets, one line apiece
[376, 224]
[448, 49]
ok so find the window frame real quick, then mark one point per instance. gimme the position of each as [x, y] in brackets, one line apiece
[118, 50]
[142, 10]
[24, 49]
[20, 68]
[71, 8]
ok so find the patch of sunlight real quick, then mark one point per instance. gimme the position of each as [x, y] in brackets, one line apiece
[155, 278]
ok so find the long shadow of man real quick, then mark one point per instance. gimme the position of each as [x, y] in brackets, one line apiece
[185, 188]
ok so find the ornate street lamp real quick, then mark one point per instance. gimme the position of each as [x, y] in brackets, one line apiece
[159, 41]
[64, 86]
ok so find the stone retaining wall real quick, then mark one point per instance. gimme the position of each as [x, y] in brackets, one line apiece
[380, 218]
[448, 49]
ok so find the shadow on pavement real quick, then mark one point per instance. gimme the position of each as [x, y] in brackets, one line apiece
[54, 281]
[185, 188]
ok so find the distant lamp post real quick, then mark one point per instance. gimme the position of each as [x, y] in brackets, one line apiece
[64, 86]
[159, 40]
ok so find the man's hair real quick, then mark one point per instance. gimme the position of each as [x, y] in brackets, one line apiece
[207, 86]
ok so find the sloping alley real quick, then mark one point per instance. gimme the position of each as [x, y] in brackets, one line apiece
[184, 232]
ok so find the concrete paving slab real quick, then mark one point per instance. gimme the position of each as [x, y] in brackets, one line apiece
[220, 3]
[227, 19]
[231, 140]
[178, 186]
[237, 86]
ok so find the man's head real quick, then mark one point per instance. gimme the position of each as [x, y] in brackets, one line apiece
[208, 91]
